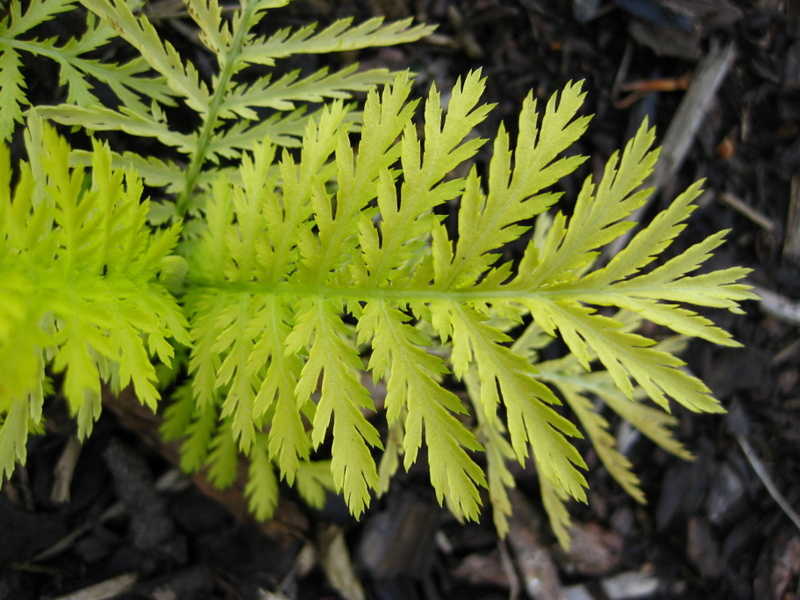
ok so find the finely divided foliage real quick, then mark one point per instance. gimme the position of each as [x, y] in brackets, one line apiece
[293, 276]
[79, 286]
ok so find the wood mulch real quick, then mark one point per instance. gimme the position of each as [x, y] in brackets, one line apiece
[721, 81]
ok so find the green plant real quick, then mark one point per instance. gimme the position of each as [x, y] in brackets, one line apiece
[279, 277]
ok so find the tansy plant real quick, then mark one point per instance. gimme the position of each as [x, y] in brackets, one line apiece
[272, 279]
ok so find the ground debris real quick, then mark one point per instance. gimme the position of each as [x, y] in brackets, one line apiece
[532, 556]
[593, 551]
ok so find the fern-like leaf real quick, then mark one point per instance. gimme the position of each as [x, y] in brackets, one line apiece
[261, 488]
[375, 248]
[223, 100]
[303, 271]
[582, 391]
[337, 37]
[80, 268]
[159, 54]
[129, 81]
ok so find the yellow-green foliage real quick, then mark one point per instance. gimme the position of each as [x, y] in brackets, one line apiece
[290, 274]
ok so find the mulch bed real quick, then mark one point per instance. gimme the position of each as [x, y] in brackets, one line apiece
[112, 519]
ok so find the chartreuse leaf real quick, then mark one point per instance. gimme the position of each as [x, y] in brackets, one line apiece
[80, 276]
[12, 92]
[385, 116]
[214, 30]
[334, 360]
[581, 390]
[597, 429]
[405, 222]
[314, 481]
[412, 385]
[514, 191]
[197, 435]
[235, 110]
[261, 488]
[303, 271]
[287, 262]
[223, 457]
[498, 453]
[179, 415]
[160, 55]
[337, 37]
[551, 283]
[390, 461]
[76, 68]
[287, 91]
[554, 500]
[288, 441]
[507, 376]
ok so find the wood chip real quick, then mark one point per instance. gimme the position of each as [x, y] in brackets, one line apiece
[594, 551]
[786, 569]
[532, 556]
[625, 586]
[335, 561]
[702, 549]
[173, 481]
[400, 540]
[483, 569]
[632, 584]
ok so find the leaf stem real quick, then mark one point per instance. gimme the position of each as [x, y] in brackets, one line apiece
[227, 71]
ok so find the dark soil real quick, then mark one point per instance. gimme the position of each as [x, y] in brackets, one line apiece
[712, 528]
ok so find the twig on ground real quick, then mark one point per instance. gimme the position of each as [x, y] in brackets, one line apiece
[791, 243]
[763, 474]
[511, 573]
[778, 306]
[711, 71]
[105, 589]
[748, 211]
[64, 469]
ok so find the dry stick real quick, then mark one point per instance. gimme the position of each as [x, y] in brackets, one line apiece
[111, 588]
[791, 243]
[64, 470]
[778, 306]
[681, 132]
[749, 212]
[764, 476]
[508, 567]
